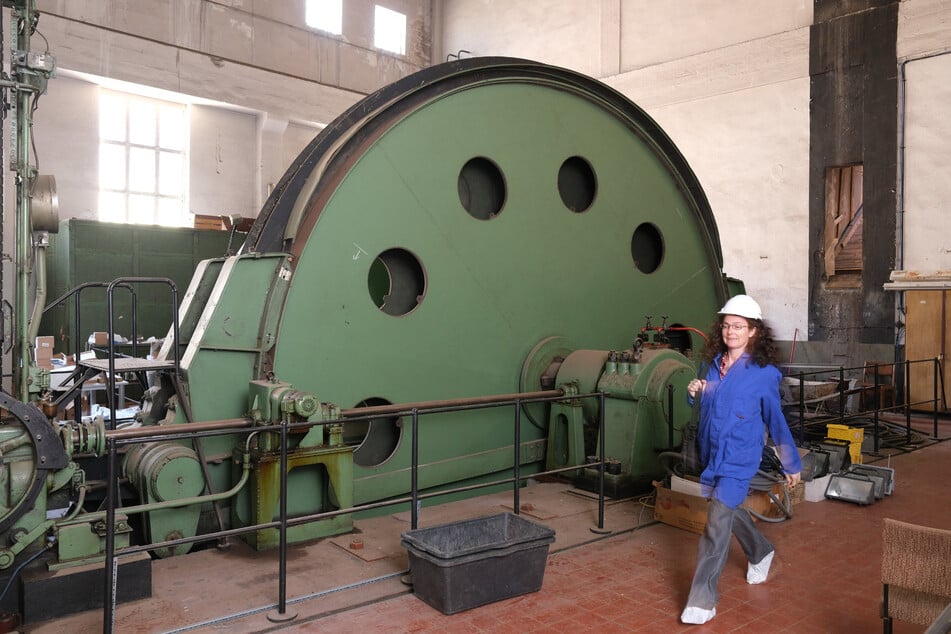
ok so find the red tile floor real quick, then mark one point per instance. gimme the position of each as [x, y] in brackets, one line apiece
[825, 577]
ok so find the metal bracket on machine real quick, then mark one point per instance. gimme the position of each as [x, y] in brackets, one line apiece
[50, 454]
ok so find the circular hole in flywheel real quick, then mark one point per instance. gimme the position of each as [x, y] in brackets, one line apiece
[647, 248]
[396, 282]
[577, 184]
[376, 439]
[481, 188]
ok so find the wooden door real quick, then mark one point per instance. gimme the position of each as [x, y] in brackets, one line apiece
[927, 336]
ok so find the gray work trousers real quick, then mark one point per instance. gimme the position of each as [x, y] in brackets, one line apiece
[715, 547]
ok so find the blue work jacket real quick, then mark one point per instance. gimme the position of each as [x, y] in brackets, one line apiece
[735, 413]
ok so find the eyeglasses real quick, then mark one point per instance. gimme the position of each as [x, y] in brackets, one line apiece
[733, 327]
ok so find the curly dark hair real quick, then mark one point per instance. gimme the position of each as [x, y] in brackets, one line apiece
[762, 347]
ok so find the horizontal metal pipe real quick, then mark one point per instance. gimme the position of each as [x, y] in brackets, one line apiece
[183, 429]
[352, 412]
[397, 408]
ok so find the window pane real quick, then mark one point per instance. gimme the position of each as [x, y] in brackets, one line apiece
[141, 209]
[142, 123]
[389, 30]
[111, 117]
[326, 15]
[170, 212]
[172, 127]
[111, 207]
[111, 166]
[139, 182]
[141, 170]
[170, 174]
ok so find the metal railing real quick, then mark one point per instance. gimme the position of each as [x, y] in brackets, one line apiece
[118, 438]
[844, 392]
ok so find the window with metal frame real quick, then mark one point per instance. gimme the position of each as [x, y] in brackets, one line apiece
[142, 160]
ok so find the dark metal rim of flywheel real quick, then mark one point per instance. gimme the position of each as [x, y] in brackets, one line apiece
[50, 454]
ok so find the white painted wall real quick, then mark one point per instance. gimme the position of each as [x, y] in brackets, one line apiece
[750, 151]
[924, 43]
[560, 32]
[66, 131]
[223, 165]
[655, 32]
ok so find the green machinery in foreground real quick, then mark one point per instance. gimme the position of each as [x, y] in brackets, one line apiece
[486, 226]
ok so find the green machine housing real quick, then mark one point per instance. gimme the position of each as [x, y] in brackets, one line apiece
[488, 226]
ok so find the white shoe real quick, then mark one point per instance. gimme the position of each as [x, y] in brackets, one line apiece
[757, 573]
[697, 616]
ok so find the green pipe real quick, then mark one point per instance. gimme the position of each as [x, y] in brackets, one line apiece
[21, 360]
[39, 300]
[198, 499]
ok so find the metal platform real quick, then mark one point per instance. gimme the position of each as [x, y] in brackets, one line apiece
[128, 364]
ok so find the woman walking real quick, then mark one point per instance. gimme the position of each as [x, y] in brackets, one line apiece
[739, 403]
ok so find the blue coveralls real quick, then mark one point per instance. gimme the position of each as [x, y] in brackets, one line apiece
[735, 413]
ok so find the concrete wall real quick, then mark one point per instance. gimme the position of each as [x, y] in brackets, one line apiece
[854, 99]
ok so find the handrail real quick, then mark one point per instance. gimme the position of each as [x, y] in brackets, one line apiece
[117, 438]
[77, 291]
[121, 282]
[905, 406]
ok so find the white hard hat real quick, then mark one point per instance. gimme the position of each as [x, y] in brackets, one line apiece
[742, 305]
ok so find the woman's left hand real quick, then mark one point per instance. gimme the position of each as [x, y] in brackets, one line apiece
[792, 479]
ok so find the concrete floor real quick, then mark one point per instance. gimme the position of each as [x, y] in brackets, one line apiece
[825, 578]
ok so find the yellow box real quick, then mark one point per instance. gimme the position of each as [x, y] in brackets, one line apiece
[852, 434]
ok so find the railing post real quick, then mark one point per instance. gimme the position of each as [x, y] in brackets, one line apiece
[876, 408]
[282, 614]
[670, 417]
[111, 563]
[518, 454]
[414, 477]
[937, 369]
[601, 449]
[841, 395]
[906, 399]
[802, 406]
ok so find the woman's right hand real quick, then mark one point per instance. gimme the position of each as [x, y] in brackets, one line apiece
[695, 386]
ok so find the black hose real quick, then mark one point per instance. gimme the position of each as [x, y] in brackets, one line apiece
[20, 568]
[764, 481]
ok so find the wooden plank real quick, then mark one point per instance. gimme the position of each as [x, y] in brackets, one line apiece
[858, 175]
[845, 196]
[829, 233]
[849, 255]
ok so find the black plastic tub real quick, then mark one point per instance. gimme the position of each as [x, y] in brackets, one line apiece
[466, 564]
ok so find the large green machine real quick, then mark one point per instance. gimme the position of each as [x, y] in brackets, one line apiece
[486, 226]
[455, 235]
